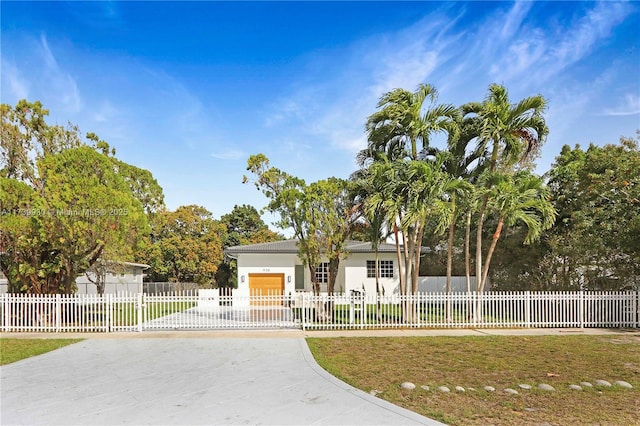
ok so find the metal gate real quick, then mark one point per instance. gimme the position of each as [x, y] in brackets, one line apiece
[206, 309]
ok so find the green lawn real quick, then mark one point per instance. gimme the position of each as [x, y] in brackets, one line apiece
[12, 350]
[392, 313]
[381, 364]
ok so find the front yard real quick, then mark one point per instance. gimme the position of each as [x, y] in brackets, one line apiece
[382, 364]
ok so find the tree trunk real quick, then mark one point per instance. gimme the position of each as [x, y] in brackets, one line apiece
[483, 210]
[334, 264]
[399, 254]
[450, 263]
[467, 252]
[494, 242]
[378, 295]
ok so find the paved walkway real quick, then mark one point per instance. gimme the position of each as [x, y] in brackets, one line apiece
[215, 379]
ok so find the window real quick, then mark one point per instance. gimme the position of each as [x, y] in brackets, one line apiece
[385, 268]
[322, 273]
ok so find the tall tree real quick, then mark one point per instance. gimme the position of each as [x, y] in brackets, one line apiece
[188, 247]
[508, 135]
[405, 121]
[595, 243]
[244, 226]
[521, 197]
[318, 214]
[372, 213]
[75, 209]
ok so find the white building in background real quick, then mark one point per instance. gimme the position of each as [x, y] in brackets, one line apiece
[275, 268]
[123, 277]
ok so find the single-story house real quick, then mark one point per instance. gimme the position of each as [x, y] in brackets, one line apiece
[120, 277]
[123, 277]
[275, 267]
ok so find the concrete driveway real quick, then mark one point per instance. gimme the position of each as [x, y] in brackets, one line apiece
[186, 381]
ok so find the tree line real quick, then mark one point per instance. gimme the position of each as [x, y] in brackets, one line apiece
[68, 205]
[576, 227]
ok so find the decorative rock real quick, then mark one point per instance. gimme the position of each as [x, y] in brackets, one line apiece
[471, 389]
[374, 392]
[511, 391]
[603, 383]
[546, 387]
[444, 389]
[425, 387]
[459, 389]
[531, 410]
[489, 388]
[524, 386]
[586, 385]
[408, 386]
[623, 384]
[575, 387]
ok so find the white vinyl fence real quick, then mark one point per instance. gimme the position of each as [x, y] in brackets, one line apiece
[207, 309]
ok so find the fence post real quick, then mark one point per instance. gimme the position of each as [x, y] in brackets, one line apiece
[636, 308]
[303, 312]
[581, 307]
[139, 309]
[6, 306]
[109, 309]
[58, 312]
[527, 309]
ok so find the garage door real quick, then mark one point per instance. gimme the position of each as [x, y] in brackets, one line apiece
[266, 285]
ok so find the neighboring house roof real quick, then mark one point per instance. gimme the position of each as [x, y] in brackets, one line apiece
[290, 247]
[139, 265]
[135, 265]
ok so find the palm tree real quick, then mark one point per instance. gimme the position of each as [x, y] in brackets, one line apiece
[387, 179]
[507, 135]
[404, 120]
[372, 210]
[522, 197]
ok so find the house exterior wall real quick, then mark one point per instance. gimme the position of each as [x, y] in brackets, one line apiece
[355, 267]
[352, 273]
[250, 263]
[129, 281]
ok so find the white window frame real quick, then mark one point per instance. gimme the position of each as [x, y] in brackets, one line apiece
[322, 273]
[385, 269]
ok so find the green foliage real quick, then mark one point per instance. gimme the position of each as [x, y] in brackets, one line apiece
[404, 120]
[187, 246]
[244, 226]
[596, 241]
[319, 214]
[64, 204]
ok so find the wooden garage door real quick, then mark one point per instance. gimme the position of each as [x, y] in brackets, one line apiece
[266, 285]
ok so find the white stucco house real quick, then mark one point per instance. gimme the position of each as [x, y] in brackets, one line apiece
[123, 277]
[275, 267]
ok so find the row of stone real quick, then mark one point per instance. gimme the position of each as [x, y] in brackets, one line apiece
[524, 386]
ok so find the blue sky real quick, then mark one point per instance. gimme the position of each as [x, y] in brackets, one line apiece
[190, 90]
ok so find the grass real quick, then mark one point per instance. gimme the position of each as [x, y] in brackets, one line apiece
[392, 313]
[126, 314]
[123, 314]
[381, 364]
[12, 350]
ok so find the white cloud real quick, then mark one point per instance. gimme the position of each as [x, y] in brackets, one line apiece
[60, 82]
[539, 55]
[12, 79]
[630, 106]
[230, 154]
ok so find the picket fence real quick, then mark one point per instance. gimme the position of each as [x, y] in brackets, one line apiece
[210, 310]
